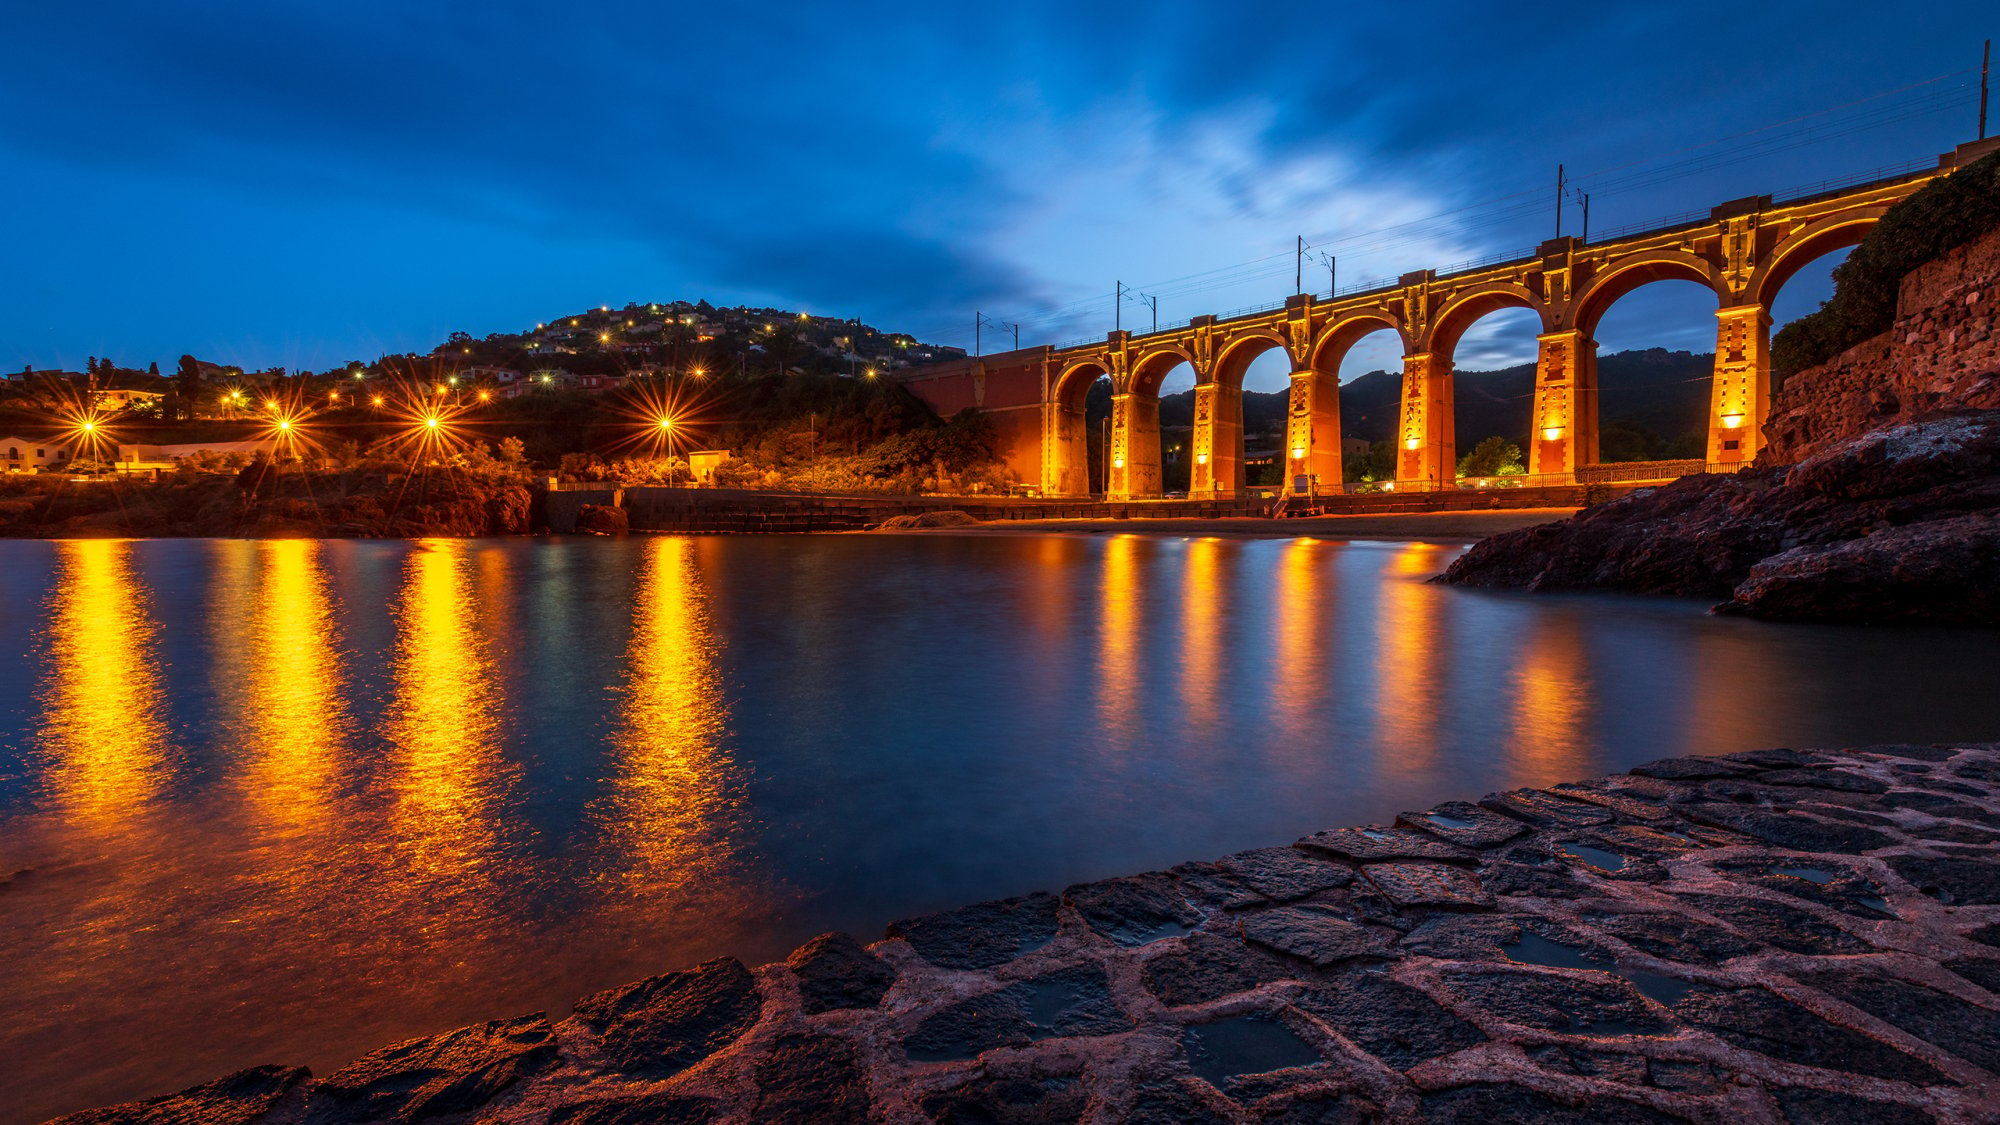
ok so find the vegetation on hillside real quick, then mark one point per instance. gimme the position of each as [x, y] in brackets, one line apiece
[801, 402]
[1947, 213]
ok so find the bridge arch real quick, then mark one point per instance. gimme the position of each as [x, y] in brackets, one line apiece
[1800, 249]
[1465, 309]
[1236, 355]
[1150, 369]
[1067, 462]
[1216, 466]
[1338, 337]
[1633, 272]
[1428, 430]
[1136, 456]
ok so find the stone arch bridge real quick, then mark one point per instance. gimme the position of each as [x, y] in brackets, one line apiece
[1743, 252]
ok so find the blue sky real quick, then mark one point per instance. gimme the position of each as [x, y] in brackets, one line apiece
[298, 185]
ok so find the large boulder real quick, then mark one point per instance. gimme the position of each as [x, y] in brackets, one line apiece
[1940, 570]
[1899, 524]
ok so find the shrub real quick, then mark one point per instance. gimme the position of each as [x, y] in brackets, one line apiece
[1492, 457]
[1946, 214]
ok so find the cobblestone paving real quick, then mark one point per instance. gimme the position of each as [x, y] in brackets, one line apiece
[1767, 937]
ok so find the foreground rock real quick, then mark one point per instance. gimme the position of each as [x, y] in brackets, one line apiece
[1900, 524]
[1767, 937]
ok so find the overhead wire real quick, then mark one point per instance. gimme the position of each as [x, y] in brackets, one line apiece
[1494, 212]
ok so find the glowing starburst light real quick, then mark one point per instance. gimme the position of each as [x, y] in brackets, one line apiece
[663, 415]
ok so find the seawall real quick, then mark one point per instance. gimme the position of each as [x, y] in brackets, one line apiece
[1776, 936]
[721, 510]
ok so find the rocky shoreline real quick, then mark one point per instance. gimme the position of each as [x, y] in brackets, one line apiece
[1901, 524]
[1775, 936]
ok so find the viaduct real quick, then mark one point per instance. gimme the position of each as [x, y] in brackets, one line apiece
[1743, 252]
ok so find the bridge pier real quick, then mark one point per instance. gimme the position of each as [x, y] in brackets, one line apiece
[1565, 417]
[1312, 429]
[1427, 456]
[1741, 396]
[1135, 447]
[1066, 445]
[1218, 441]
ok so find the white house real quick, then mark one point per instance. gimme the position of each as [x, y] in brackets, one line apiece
[30, 455]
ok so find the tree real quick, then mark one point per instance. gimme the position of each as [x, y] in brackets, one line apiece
[153, 369]
[513, 451]
[187, 386]
[1492, 457]
[1379, 463]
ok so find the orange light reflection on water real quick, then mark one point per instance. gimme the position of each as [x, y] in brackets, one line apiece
[1118, 639]
[1552, 702]
[670, 793]
[445, 720]
[1411, 674]
[1299, 688]
[298, 720]
[1203, 620]
[103, 719]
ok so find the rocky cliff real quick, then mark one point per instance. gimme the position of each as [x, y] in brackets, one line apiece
[1943, 351]
[1901, 524]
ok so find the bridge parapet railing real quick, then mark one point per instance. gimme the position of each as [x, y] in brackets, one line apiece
[1618, 472]
[1462, 484]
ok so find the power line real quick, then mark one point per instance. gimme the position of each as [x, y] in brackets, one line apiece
[1507, 209]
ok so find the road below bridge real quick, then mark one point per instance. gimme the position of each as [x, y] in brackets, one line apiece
[1376, 525]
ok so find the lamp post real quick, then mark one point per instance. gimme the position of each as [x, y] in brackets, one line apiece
[1105, 484]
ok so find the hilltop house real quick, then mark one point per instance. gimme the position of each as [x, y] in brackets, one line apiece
[125, 398]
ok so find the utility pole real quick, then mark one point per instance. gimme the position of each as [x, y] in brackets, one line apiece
[1331, 287]
[1154, 304]
[1299, 266]
[1559, 201]
[1118, 310]
[980, 320]
[1985, 70]
[1585, 197]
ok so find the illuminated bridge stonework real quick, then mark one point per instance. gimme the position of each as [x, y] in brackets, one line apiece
[1743, 253]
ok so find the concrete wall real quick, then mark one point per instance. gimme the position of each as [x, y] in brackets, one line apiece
[1007, 387]
[724, 511]
[562, 507]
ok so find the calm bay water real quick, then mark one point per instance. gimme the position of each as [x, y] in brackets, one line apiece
[290, 800]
